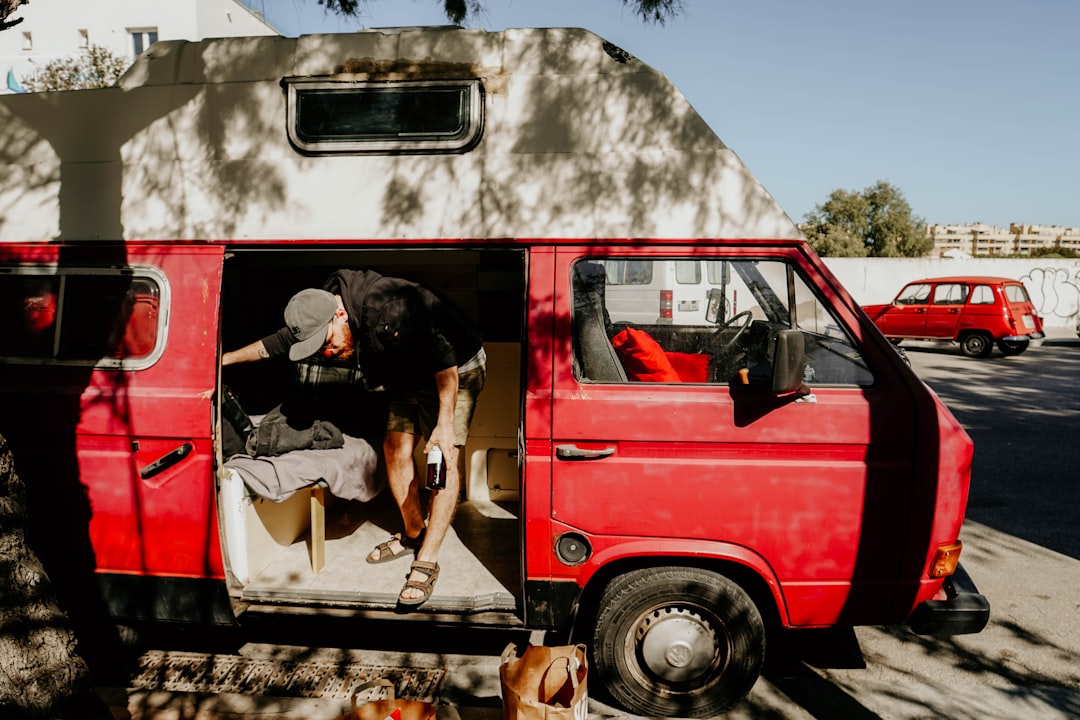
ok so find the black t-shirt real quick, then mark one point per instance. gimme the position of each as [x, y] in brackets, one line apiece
[403, 332]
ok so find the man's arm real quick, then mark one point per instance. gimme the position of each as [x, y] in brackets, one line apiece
[443, 434]
[257, 351]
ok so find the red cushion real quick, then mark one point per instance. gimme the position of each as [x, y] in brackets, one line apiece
[642, 357]
[692, 367]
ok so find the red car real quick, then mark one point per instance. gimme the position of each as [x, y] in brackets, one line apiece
[976, 312]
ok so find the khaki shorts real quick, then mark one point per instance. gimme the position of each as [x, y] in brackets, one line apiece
[416, 412]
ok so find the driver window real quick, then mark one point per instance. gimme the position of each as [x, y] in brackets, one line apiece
[689, 320]
[914, 295]
[832, 356]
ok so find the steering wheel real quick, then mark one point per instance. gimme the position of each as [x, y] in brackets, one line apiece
[746, 317]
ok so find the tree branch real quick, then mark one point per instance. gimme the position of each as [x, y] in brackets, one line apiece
[7, 8]
[459, 11]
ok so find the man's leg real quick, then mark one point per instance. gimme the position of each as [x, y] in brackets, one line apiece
[440, 515]
[398, 450]
[444, 502]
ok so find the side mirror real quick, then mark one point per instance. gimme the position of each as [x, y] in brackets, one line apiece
[787, 363]
[714, 305]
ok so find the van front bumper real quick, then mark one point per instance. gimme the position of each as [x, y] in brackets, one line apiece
[963, 611]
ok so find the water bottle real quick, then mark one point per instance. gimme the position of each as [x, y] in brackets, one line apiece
[436, 469]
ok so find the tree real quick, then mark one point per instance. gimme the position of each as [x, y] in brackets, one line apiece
[876, 222]
[458, 11]
[96, 67]
[7, 9]
[1055, 251]
[41, 676]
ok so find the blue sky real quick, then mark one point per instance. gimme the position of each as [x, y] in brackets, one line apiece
[970, 107]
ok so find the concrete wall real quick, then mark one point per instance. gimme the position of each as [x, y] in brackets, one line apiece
[1054, 285]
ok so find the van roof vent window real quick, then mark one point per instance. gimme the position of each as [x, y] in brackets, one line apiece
[432, 116]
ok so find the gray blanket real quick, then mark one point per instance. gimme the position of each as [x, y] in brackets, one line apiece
[349, 471]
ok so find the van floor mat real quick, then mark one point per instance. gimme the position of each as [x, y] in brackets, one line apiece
[479, 558]
[210, 673]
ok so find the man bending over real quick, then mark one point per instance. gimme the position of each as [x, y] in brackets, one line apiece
[428, 355]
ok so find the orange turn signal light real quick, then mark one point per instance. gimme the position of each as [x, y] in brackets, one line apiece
[946, 559]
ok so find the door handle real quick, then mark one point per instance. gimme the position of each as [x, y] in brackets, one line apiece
[573, 452]
[166, 461]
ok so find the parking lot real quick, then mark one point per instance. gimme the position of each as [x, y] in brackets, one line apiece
[1021, 546]
[1022, 413]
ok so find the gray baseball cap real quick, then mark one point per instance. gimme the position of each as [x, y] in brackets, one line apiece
[307, 316]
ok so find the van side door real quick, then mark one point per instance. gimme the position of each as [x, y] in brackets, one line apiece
[108, 386]
[669, 441]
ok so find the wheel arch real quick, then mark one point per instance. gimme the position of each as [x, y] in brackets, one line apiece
[963, 333]
[755, 578]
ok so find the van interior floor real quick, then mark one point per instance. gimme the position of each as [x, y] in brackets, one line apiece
[479, 560]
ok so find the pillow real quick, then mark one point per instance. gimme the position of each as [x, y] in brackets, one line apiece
[691, 367]
[642, 357]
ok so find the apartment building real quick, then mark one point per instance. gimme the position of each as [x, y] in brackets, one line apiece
[982, 240]
[52, 29]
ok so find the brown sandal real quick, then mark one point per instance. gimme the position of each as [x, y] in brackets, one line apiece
[428, 585]
[408, 545]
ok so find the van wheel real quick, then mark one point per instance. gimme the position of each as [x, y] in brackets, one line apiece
[1012, 347]
[976, 345]
[677, 641]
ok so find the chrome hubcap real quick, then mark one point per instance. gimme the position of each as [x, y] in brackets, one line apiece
[676, 645]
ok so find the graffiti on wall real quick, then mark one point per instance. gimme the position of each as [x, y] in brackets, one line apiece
[1055, 291]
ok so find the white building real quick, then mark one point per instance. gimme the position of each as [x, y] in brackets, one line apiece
[53, 29]
[982, 240]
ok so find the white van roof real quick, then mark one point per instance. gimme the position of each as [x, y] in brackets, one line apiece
[579, 140]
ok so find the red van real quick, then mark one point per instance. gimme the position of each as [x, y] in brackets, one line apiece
[667, 493]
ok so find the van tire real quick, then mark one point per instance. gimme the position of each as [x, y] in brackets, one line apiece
[1012, 347]
[641, 651]
[976, 344]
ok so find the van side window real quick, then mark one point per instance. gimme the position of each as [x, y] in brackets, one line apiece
[982, 295]
[101, 317]
[950, 294]
[688, 272]
[337, 116]
[621, 333]
[714, 271]
[1016, 293]
[628, 272]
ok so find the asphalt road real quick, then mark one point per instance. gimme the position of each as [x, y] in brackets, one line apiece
[1022, 412]
[1021, 547]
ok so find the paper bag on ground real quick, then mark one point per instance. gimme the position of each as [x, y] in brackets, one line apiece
[544, 683]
